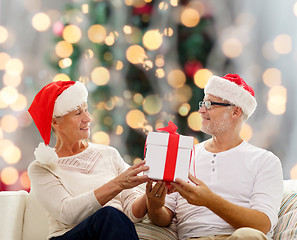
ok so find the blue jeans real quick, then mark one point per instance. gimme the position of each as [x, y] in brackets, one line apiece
[107, 223]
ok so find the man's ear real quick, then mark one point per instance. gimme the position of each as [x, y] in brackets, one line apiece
[237, 112]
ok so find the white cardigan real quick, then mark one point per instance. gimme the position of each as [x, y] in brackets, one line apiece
[65, 186]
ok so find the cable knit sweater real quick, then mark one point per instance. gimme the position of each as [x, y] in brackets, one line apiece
[65, 186]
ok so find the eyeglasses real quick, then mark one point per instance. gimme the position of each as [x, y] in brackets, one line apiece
[208, 104]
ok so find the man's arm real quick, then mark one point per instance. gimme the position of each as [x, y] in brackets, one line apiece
[157, 212]
[236, 216]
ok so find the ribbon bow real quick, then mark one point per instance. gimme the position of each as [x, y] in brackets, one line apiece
[171, 128]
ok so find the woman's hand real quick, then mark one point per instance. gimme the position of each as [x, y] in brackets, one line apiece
[156, 194]
[130, 178]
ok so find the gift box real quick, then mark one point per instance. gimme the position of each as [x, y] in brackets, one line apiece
[168, 155]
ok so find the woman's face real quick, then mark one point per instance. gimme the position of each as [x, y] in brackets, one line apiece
[75, 125]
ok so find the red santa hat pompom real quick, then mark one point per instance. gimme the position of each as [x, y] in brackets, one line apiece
[56, 99]
[233, 89]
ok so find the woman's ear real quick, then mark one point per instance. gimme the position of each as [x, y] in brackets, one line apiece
[55, 123]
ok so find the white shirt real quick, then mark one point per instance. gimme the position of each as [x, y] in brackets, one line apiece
[245, 175]
[66, 188]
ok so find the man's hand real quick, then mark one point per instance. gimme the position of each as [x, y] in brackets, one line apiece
[197, 195]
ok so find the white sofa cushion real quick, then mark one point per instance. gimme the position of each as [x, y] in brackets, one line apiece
[12, 207]
[35, 220]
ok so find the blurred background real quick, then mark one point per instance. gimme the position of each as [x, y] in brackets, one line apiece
[145, 62]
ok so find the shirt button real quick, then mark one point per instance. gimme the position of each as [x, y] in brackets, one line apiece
[213, 169]
[212, 162]
[215, 155]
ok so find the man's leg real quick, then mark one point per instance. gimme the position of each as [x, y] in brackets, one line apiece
[107, 223]
[247, 234]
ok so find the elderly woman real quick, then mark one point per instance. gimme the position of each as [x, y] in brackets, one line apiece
[86, 188]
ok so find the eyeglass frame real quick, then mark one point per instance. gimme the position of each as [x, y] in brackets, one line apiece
[208, 106]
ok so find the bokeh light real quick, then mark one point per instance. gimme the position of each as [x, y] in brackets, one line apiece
[293, 172]
[119, 130]
[72, 33]
[232, 47]
[160, 73]
[24, 180]
[61, 77]
[277, 99]
[176, 78]
[101, 137]
[9, 95]
[3, 34]
[64, 63]
[64, 49]
[272, 77]
[20, 104]
[195, 121]
[138, 98]
[100, 76]
[295, 9]
[135, 54]
[152, 39]
[183, 94]
[85, 8]
[184, 109]
[14, 66]
[168, 32]
[135, 118]
[159, 62]
[283, 44]
[97, 33]
[246, 132]
[9, 175]
[11, 154]
[152, 104]
[4, 144]
[41, 22]
[119, 65]
[201, 77]
[4, 57]
[9, 123]
[174, 3]
[12, 80]
[190, 17]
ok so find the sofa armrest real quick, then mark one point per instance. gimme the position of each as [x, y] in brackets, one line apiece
[12, 208]
[290, 186]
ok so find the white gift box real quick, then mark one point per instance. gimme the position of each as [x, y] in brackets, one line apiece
[156, 151]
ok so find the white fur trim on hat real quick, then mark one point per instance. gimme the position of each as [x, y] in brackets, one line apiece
[46, 155]
[232, 93]
[70, 99]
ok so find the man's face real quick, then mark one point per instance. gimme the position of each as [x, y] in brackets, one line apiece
[217, 119]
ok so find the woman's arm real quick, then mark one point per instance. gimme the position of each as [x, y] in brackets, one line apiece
[126, 180]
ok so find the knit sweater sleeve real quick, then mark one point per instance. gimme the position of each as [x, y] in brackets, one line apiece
[56, 198]
[128, 196]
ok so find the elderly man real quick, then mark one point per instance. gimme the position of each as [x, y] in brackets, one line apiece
[237, 190]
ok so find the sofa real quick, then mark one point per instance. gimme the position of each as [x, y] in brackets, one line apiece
[23, 218]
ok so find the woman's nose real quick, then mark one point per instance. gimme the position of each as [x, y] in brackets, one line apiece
[87, 117]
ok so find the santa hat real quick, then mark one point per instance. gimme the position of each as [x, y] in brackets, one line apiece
[56, 99]
[233, 89]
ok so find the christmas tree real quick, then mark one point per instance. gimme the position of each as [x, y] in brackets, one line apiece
[144, 63]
